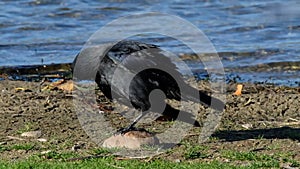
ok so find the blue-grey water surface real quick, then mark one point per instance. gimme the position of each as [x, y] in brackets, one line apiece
[258, 41]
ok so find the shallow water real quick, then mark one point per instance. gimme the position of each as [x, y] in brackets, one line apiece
[257, 41]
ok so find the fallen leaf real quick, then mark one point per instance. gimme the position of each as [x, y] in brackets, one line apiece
[238, 91]
[60, 84]
[57, 83]
[4, 76]
[48, 87]
[19, 89]
[68, 86]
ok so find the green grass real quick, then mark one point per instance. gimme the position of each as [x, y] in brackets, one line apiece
[194, 152]
[54, 159]
[26, 146]
[110, 162]
[99, 151]
[62, 156]
[27, 127]
[250, 156]
[194, 156]
[261, 160]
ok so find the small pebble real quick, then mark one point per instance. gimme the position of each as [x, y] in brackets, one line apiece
[130, 140]
[177, 161]
[226, 160]
[46, 152]
[247, 126]
[34, 134]
[42, 139]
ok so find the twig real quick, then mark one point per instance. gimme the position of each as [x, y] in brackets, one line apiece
[248, 102]
[18, 115]
[131, 158]
[142, 157]
[296, 120]
[15, 138]
[40, 85]
[289, 123]
[282, 123]
[113, 166]
[87, 157]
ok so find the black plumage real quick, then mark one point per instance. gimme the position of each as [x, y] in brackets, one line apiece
[129, 71]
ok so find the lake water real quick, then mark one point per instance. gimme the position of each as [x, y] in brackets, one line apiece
[258, 41]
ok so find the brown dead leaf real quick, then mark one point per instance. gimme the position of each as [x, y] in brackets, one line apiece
[57, 83]
[67, 86]
[53, 85]
[238, 91]
[60, 84]
[4, 76]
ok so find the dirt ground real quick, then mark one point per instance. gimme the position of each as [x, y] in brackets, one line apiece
[265, 119]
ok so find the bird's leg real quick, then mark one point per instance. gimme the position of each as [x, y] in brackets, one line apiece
[131, 126]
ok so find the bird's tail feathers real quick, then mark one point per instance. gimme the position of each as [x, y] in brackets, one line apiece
[194, 95]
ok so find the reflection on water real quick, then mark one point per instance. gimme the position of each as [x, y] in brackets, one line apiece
[257, 41]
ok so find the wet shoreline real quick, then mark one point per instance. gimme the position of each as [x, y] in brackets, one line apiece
[280, 74]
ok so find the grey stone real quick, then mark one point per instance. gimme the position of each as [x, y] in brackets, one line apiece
[130, 140]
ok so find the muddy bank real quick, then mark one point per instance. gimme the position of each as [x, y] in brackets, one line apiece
[264, 119]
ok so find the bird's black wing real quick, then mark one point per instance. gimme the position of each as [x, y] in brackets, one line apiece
[155, 69]
[152, 70]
